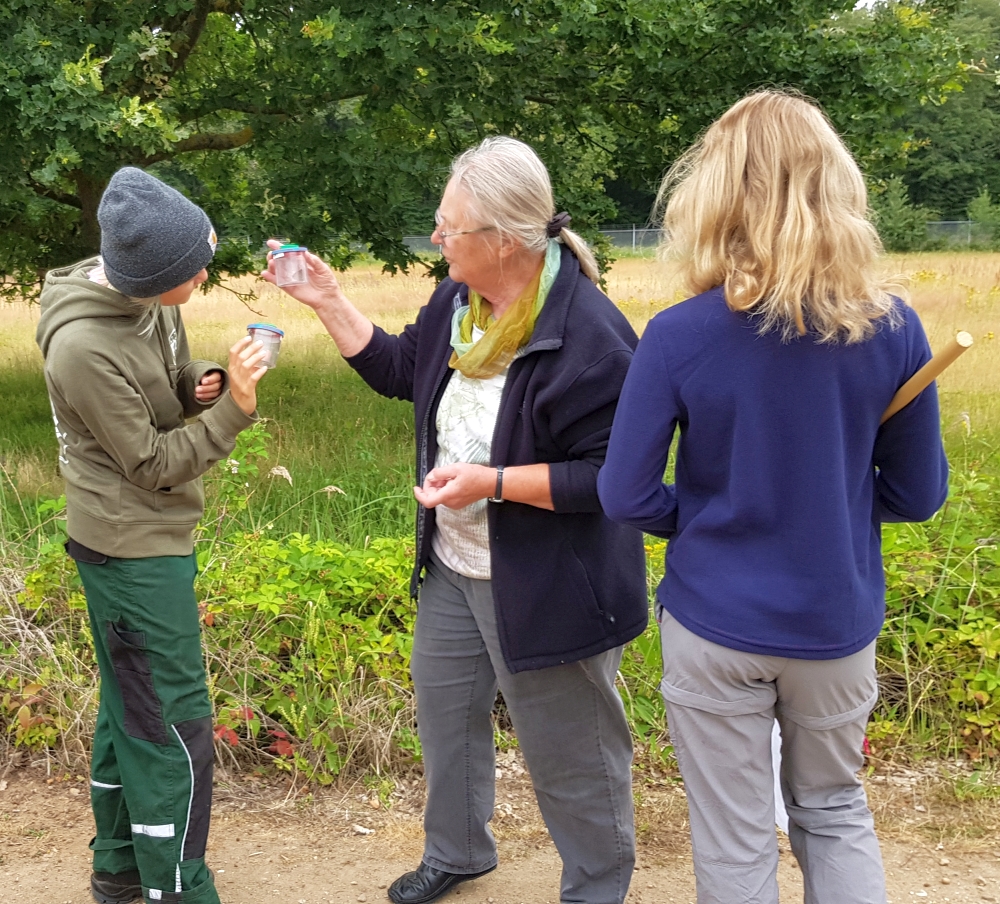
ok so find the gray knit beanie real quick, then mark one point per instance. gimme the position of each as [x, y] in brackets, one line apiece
[153, 239]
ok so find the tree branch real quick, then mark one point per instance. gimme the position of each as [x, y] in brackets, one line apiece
[53, 195]
[184, 35]
[235, 107]
[251, 109]
[590, 138]
[185, 39]
[203, 141]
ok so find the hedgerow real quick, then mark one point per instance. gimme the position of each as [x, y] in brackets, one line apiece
[307, 641]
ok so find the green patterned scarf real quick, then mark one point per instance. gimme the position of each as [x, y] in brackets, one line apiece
[502, 338]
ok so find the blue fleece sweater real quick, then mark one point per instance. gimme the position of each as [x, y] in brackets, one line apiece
[783, 474]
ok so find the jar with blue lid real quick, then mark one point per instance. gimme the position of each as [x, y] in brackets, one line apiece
[290, 265]
[270, 336]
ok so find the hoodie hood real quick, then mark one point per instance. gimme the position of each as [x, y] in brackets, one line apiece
[68, 295]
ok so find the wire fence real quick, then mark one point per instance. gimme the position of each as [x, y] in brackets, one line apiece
[629, 235]
[955, 233]
[639, 237]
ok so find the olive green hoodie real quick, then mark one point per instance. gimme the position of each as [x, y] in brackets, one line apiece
[119, 401]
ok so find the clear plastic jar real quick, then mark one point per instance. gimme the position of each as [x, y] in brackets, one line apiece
[290, 265]
[271, 336]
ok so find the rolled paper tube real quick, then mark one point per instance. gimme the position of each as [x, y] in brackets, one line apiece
[927, 374]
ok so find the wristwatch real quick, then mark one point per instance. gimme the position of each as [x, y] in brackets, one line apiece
[498, 494]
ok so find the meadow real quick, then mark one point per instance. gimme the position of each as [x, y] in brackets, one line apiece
[329, 429]
[305, 547]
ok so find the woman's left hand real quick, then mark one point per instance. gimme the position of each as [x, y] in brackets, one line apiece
[456, 486]
[210, 387]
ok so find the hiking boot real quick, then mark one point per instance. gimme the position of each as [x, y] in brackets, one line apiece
[116, 888]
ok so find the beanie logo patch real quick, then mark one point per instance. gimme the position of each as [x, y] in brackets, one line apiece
[213, 240]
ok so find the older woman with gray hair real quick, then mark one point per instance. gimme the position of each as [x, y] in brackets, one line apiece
[514, 369]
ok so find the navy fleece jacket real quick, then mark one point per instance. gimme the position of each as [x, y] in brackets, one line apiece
[569, 583]
[783, 474]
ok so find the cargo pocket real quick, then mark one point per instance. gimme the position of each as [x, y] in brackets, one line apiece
[143, 716]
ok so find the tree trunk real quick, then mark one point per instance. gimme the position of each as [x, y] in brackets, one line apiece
[89, 190]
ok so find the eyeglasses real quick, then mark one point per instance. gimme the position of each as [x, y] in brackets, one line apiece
[447, 235]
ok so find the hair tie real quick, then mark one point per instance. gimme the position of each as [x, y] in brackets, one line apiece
[557, 224]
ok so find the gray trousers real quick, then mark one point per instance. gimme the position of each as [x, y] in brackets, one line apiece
[570, 726]
[721, 704]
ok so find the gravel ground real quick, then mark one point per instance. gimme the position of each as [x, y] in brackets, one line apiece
[271, 843]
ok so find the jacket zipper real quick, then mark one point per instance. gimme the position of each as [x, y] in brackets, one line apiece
[422, 470]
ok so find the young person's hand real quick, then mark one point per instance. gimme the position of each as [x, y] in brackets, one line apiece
[245, 372]
[209, 387]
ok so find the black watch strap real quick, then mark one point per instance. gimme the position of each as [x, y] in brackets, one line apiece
[498, 494]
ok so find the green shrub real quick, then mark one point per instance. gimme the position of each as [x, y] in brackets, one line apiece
[939, 653]
[311, 640]
[985, 216]
[308, 640]
[901, 224]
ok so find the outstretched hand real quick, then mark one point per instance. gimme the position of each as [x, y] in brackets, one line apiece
[456, 486]
[322, 285]
[245, 372]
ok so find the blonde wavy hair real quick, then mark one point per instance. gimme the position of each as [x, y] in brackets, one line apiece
[511, 191]
[771, 205]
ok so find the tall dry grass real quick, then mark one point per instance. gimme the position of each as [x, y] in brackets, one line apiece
[951, 291]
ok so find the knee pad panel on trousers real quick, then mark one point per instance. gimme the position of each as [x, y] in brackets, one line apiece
[195, 736]
[143, 714]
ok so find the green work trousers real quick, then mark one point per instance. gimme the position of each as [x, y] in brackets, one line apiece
[151, 771]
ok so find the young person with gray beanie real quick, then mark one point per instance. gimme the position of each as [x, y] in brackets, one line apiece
[122, 387]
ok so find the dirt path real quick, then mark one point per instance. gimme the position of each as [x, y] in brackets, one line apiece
[267, 846]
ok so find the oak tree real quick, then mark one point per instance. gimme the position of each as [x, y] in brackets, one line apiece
[333, 121]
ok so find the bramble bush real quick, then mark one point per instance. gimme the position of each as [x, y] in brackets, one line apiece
[314, 639]
[307, 646]
[939, 652]
[308, 641]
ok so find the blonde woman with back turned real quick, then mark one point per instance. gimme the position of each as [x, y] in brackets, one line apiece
[776, 374]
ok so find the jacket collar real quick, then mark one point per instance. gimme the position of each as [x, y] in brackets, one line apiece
[551, 324]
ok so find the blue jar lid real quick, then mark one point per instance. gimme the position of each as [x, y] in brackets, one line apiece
[265, 326]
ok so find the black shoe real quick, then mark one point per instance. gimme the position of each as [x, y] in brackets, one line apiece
[116, 888]
[427, 884]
